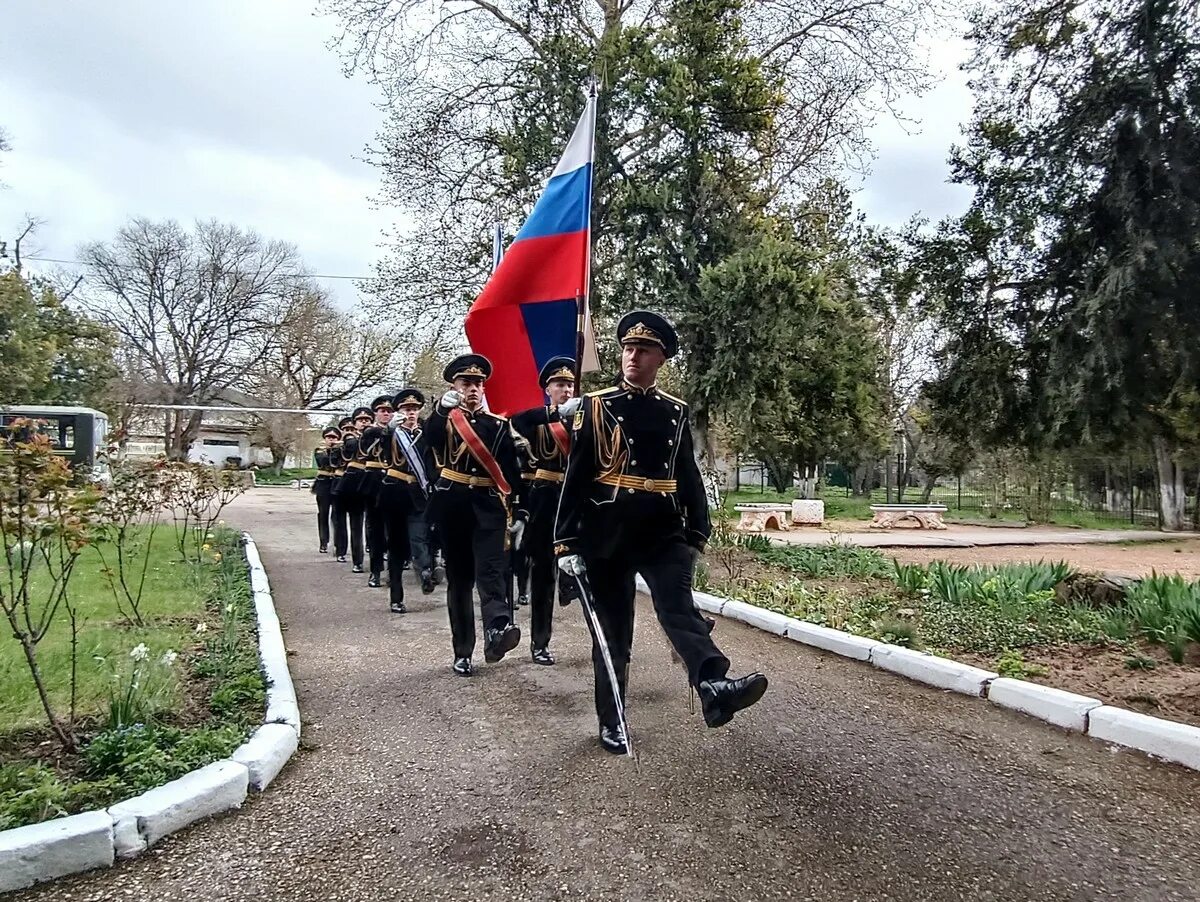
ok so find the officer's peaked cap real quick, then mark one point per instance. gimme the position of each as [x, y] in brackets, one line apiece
[642, 326]
[557, 368]
[471, 366]
[408, 397]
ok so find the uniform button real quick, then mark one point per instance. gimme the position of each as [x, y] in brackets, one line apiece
[633, 463]
[674, 422]
[621, 419]
[629, 440]
[676, 406]
[670, 441]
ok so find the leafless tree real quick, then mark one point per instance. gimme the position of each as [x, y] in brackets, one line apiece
[321, 357]
[196, 311]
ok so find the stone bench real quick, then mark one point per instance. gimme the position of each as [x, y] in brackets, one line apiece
[761, 517]
[927, 516]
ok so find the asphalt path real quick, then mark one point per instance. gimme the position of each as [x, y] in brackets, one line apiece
[844, 783]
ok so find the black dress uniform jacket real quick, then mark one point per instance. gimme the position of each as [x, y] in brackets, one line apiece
[446, 451]
[632, 481]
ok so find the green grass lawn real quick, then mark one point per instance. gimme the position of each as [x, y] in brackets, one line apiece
[172, 605]
[285, 477]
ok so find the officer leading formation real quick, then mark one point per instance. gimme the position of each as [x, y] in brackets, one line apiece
[591, 491]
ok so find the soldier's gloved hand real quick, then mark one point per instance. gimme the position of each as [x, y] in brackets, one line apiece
[567, 408]
[572, 565]
[516, 533]
[451, 399]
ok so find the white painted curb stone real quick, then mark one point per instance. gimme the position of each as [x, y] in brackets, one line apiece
[1063, 709]
[933, 671]
[266, 752]
[848, 645]
[1166, 739]
[52, 849]
[160, 812]
[770, 621]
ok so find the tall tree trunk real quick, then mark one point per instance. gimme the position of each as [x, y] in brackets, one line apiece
[927, 489]
[780, 471]
[706, 455]
[1172, 497]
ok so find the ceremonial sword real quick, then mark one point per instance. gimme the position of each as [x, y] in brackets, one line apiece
[585, 599]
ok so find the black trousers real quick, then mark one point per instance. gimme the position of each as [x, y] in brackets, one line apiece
[419, 546]
[341, 524]
[323, 492]
[378, 540]
[475, 561]
[395, 516]
[355, 508]
[668, 572]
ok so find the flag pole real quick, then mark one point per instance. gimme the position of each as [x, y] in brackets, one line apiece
[583, 296]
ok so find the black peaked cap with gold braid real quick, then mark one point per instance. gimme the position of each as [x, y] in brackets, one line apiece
[557, 368]
[471, 366]
[642, 326]
[408, 397]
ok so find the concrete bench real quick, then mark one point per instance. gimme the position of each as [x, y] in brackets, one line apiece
[761, 517]
[927, 516]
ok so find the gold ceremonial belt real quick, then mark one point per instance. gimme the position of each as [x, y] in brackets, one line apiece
[376, 465]
[339, 472]
[639, 484]
[475, 482]
[356, 465]
[549, 475]
[529, 477]
[324, 472]
[400, 474]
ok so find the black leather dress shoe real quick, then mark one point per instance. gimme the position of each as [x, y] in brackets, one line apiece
[427, 582]
[462, 666]
[500, 642]
[542, 656]
[323, 550]
[357, 568]
[373, 580]
[613, 740]
[710, 623]
[523, 601]
[721, 699]
[341, 558]
[397, 607]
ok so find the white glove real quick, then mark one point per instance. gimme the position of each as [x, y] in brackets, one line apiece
[572, 565]
[567, 408]
[516, 533]
[451, 399]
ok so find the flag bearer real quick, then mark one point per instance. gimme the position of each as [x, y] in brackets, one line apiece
[549, 443]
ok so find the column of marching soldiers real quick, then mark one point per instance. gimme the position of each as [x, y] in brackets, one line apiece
[578, 492]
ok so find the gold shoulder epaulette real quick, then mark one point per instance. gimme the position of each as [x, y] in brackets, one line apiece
[679, 401]
[603, 391]
[498, 416]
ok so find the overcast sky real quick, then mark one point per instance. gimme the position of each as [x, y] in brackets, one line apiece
[237, 110]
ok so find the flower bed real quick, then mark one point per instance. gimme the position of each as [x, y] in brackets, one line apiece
[153, 702]
[1141, 651]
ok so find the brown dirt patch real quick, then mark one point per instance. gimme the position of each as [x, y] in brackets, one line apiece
[1134, 559]
[1169, 690]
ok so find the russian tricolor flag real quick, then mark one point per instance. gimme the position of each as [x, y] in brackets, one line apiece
[527, 312]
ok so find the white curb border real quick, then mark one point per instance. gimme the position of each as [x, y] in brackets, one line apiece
[84, 842]
[1175, 742]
